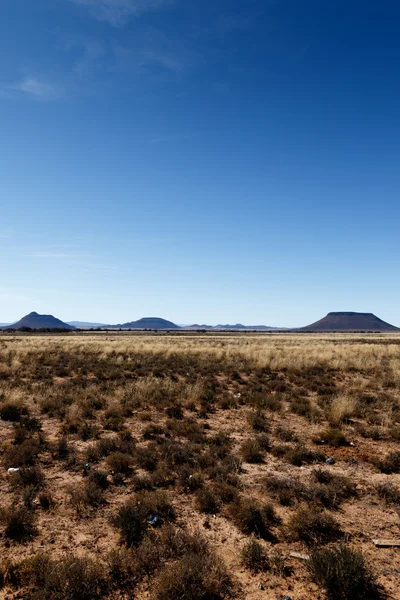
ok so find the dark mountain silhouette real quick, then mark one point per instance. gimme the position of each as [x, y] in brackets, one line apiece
[35, 321]
[149, 323]
[349, 321]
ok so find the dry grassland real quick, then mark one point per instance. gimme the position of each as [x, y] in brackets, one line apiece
[191, 467]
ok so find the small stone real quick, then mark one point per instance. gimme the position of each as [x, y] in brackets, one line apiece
[330, 461]
[260, 586]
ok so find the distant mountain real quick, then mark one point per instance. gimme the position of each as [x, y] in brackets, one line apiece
[249, 327]
[35, 321]
[349, 321]
[85, 324]
[149, 323]
[237, 326]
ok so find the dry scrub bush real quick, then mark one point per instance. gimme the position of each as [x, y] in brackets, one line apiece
[136, 515]
[343, 573]
[67, 578]
[287, 490]
[207, 501]
[390, 464]
[300, 455]
[18, 522]
[251, 451]
[342, 409]
[311, 526]
[251, 517]
[198, 575]
[254, 557]
[332, 437]
[389, 493]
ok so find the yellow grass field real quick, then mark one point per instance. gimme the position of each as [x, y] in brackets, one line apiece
[192, 466]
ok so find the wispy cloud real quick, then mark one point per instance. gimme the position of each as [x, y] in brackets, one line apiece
[41, 90]
[118, 12]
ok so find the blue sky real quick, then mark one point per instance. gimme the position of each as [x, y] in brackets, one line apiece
[203, 161]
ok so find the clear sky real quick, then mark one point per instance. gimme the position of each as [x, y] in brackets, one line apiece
[200, 160]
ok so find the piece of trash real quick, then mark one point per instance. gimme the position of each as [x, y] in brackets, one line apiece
[12, 470]
[330, 461]
[387, 543]
[87, 466]
[152, 520]
[260, 586]
[300, 556]
[352, 444]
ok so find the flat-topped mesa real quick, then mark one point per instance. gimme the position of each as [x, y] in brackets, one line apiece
[150, 323]
[350, 321]
[36, 321]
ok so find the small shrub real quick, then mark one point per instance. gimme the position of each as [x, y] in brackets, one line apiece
[342, 409]
[264, 442]
[131, 520]
[119, 462]
[301, 455]
[46, 500]
[19, 523]
[285, 435]
[69, 578]
[147, 458]
[390, 464]
[175, 412]
[332, 489]
[312, 527]
[99, 478]
[254, 557]
[207, 501]
[189, 481]
[23, 455]
[225, 492]
[28, 476]
[198, 575]
[251, 517]
[344, 574]
[13, 411]
[389, 493]
[136, 515]
[113, 419]
[301, 406]
[123, 568]
[258, 421]
[287, 490]
[84, 495]
[62, 448]
[251, 451]
[332, 437]
[152, 431]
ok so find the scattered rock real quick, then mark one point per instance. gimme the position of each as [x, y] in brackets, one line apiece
[330, 461]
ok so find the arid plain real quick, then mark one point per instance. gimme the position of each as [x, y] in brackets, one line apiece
[199, 466]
